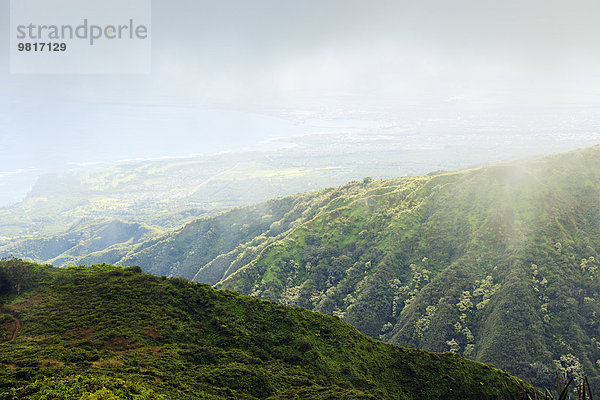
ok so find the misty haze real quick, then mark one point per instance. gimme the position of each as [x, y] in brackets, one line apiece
[363, 177]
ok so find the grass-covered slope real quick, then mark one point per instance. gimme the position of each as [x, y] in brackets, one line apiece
[185, 251]
[105, 332]
[499, 264]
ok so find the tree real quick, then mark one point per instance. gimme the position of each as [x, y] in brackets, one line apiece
[15, 275]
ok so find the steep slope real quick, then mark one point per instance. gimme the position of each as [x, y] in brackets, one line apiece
[107, 332]
[82, 242]
[184, 251]
[499, 264]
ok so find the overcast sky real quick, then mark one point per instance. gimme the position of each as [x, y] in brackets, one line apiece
[251, 59]
[246, 52]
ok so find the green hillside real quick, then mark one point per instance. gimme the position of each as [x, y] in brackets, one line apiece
[106, 332]
[185, 251]
[499, 264]
[109, 239]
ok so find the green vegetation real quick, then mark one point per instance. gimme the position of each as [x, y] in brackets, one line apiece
[108, 332]
[87, 242]
[563, 391]
[498, 264]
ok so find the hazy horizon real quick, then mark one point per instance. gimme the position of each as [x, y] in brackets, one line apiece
[231, 75]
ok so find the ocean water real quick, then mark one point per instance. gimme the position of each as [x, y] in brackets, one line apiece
[38, 139]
